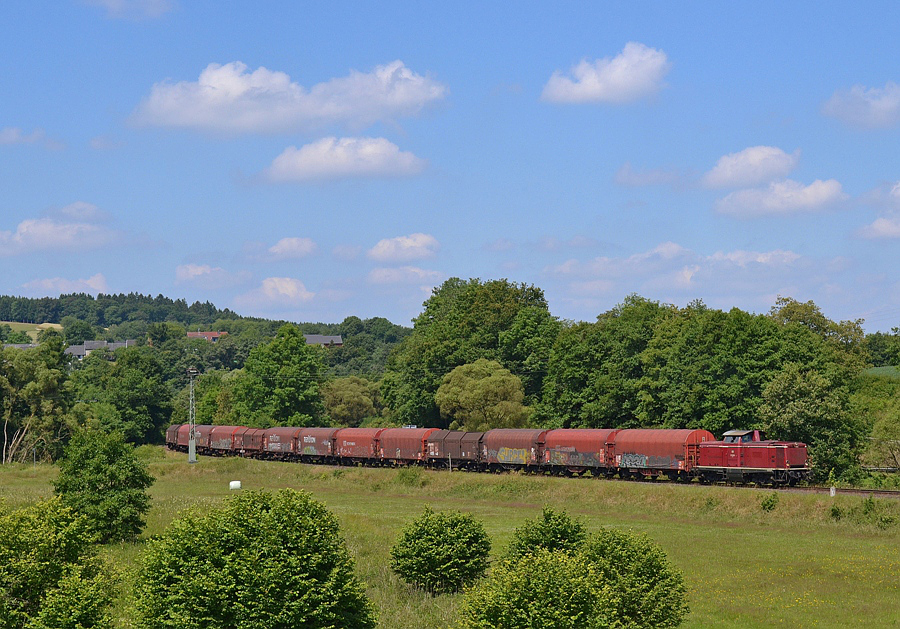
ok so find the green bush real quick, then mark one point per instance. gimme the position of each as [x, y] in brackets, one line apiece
[540, 590]
[649, 590]
[49, 573]
[769, 502]
[441, 552]
[101, 478]
[554, 530]
[262, 560]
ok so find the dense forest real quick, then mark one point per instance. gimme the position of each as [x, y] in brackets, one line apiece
[481, 354]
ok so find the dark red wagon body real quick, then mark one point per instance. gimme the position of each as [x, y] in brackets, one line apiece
[316, 444]
[202, 433]
[512, 447]
[404, 445]
[454, 448]
[249, 441]
[221, 439]
[172, 435]
[280, 441]
[357, 444]
[654, 451]
[578, 449]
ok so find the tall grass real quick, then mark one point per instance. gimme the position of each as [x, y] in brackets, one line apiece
[749, 561]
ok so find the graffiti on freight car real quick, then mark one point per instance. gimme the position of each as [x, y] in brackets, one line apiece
[512, 455]
[580, 459]
[645, 461]
[309, 450]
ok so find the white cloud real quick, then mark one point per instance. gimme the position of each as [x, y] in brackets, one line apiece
[292, 248]
[745, 258]
[59, 286]
[404, 248]
[48, 234]
[229, 98]
[881, 228]
[752, 166]
[15, 135]
[277, 292]
[672, 272]
[82, 211]
[636, 72]
[866, 107]
[209, 277]
[782, 197]
[627, 176]
[133, 9]
[333, 158]
[404, 275]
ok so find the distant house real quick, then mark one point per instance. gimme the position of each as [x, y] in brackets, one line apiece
[80, 351]
[212, 337]
[324, 340]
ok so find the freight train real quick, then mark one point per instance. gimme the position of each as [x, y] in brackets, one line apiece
[742, 456]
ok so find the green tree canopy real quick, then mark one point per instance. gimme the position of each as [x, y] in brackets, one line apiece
[350, 400]
[280, 383]
[480, 396]
[803, 405]
[49, 573]
[441, 552]
[461, 322]
[262, 560]
[101, 478]
[540, 590]
[553, 530]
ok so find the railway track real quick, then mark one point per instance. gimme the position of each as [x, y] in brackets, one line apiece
[868, 493]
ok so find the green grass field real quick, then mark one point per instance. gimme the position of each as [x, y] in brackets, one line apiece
[31, 329]
[796, 565]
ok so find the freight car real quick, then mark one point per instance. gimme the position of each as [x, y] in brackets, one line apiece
[680, 455]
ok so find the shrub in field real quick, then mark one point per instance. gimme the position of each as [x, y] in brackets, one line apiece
[101, 478]
[441, 552]
[263, 560]
[540, 590]
[649, 590]
[553, 530]
[49, 574]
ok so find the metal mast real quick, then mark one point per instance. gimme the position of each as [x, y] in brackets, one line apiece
[192, 423]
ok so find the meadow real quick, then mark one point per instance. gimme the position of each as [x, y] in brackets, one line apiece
[750, 560]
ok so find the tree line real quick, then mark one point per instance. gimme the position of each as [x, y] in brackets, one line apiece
[481, 355]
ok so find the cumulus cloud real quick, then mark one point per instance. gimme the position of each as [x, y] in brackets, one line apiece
[277, 292]
[635, 73]
[873, 107]
[628, 176]
[15, 135]
[403, 275]
[750, 167]
[49, 234]
[333, 158]
[82, 211]
[208, 277]
[782, 197]
[57, 285]
[292, 248]
[881, 229]
[133, 9]
[404, 248]
[230, 98]
[672, 272]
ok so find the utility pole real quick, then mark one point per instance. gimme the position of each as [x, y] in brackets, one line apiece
[192, 421]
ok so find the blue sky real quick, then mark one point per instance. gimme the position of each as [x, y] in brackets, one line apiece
[311, 161]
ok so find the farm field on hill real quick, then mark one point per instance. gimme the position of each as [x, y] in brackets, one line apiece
[806, 561]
